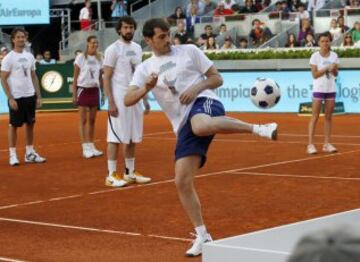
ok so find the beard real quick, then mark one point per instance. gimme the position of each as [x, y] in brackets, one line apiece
[128, 37]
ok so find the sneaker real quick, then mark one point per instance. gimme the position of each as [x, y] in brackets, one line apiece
[14, 161]
[114, 180]
[87, 153]
[311, 149]
[197, 244]
[268, 130]
[34, 157]
[96, 152]
[329, 148]
[136, 178]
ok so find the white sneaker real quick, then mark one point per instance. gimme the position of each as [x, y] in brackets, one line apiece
[329, 148]
[268, 131]
[114, 180]
[198, 242]
[34, 157]
[13, 160]
[311, 149]
[87, 153]
[97, 152]
[136, 178]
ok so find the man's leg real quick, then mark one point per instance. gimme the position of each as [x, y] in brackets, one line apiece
[12, 138]
[30, 154]
[113, 179]
[205, 125]
[185, 170]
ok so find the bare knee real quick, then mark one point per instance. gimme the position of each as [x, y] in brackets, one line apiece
[202, 128]
[92, 121]
[183, 182]
[328, 116]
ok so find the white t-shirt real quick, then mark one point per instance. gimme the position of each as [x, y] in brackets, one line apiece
[20, 66]
[123, 58]
[84, 14]
[90, 68]
[183, 67]
[324, 84]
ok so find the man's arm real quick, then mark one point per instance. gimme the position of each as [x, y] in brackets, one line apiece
[213, 80]
[108, 72]
[4, 77]
[135, 93]
[35, 81]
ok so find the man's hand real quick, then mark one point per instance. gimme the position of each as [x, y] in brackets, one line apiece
[113, 111]
[38, 102]
[188, 95]
[151, 81]
[13, 104]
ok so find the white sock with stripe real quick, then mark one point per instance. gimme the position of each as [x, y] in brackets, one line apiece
[130, 165]
[112, 166]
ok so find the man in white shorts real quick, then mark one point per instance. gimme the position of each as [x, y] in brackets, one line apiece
[125, 124]
[21, 86]
[181, 79]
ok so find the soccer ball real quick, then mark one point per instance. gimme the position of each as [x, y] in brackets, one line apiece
[265, 93]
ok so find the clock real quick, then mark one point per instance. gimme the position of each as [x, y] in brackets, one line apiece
[52, 81]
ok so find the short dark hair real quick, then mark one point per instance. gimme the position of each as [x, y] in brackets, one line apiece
[243, 40]
[127, 20]
[325, 34]
[151, 24]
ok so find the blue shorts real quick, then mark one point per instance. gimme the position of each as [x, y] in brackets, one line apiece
[187, 142]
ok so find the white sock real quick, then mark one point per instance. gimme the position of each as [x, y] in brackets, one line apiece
[91, 145]
[29, 149]
[201, 230]
[130, 165]
[256, 129]
[112, 166]
[86, 146]
[12, 150]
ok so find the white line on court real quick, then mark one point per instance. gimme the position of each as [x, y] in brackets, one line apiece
[91, 229]
[297, 176]
[7, 259]
[172, 180]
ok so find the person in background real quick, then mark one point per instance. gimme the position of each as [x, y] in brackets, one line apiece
[85, 16]
[243, 43]
[347, 42]
[199, 7]
[355, 32]
[47, 60]
[223, 29]
[192, 19]
[335, 30]
[303, 14]
[324, 68]
[248, 8]
[118, 9]
[260, 33]
[28, 47]
[341, 24]
[291, 42]
[314, 5]
[309, 40]
[222, 11]
[38, 58]
[181, 32]
[228, 44]
[304, 30]
[209, 6]
[210, 44]
[177, 16]
[204, 36]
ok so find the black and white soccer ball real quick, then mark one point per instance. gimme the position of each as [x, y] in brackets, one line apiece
[265, 93]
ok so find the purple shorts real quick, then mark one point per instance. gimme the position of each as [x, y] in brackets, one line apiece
[324, 96]
[88, 96]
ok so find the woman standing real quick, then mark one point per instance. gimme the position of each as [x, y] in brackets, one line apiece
[85, 16]
[87, 82]
[324, 67]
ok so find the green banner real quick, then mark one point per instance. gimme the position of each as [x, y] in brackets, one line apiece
[306, 109]
[56, 86]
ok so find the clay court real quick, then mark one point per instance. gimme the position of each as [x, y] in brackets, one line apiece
[61, 210]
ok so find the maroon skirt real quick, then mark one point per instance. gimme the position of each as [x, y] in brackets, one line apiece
[88, 96]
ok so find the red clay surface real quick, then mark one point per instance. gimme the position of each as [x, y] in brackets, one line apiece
[61, 211]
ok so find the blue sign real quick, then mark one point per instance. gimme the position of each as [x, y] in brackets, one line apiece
[24, 12]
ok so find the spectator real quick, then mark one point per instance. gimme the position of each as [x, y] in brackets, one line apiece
[38, 58]
[353, 4]
[176, 16]
[228, 4]
[204, 36]
[260, 5]
[285, 7]
[47, 60]
[228, 44]
[243, 43]
[303, 14]
[260, 33]
[278, 7]
[199, 5]
[85, 16]
[177, 40]
[334, 30]
[209, 6]
[338, 244]
[355, 32]
[291, 42]
[341, 23]
[347, 42]
[314, 5]
[223, 29]
[222, 11]
[118, 9]
[293, 5]
[304, 30]
[248, 8]
[309, 40]
[192, 20]
[27, 47]
[181, 32]
[211, 44]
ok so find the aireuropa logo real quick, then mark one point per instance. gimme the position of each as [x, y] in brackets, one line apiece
[17, 12]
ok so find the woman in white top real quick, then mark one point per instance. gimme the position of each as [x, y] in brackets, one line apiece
[324, 67]
[87, 82]
[335, 30]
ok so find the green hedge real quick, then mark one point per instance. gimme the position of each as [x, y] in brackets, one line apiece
[272, 54]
